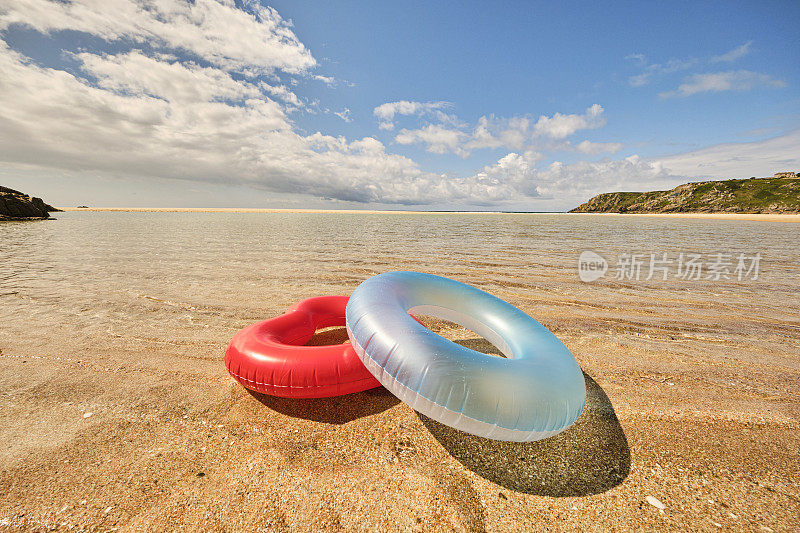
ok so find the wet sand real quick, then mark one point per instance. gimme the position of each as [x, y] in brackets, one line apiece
[130, 422]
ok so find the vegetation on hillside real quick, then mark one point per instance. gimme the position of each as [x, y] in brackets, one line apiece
[754, 195]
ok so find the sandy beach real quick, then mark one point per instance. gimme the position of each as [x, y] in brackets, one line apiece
[116, 412]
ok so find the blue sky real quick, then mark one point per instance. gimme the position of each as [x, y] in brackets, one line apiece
[433, 105]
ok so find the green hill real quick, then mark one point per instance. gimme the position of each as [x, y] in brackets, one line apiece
[754, 195]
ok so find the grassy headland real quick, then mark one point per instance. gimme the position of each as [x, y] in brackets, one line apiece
[753, 195]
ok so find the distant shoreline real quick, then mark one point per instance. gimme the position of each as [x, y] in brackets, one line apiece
[717, 216]
[283, 210]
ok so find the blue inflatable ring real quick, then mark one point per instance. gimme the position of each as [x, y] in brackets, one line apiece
[536, 391]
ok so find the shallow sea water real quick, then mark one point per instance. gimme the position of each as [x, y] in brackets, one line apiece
[88, 278]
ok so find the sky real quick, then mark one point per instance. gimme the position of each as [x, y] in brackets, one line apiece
[520, 106]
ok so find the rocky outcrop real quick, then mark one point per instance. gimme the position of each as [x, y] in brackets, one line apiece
[15, 205]
[754, 195]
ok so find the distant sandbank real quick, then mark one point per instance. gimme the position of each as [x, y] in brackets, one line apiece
[720, 216]
[265, 210]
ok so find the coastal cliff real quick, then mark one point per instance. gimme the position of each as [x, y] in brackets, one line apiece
[755, 195]
[16, 205]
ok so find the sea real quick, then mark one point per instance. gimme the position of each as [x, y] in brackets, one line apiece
[123, 286]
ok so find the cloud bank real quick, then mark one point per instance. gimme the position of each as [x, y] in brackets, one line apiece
[515, 133]
[386, 112]
[255, 40]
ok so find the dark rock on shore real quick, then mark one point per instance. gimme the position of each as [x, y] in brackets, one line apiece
[754, 195]
[16, 205]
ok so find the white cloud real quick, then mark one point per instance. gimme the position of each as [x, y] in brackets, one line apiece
[560, 126]
[515, 133]
[739, 160]
[733, 55]
[256, 40]
[344, 115]
[514, 172]
[639, 58]
[283, 93]
[136, 74]
[655, 70]
[386, 112]
[514, 177]
[591, 148]
[438, 139]
[580, 181]
[330, 81]
[731, 80]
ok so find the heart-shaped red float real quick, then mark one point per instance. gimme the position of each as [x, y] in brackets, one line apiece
[270, 356]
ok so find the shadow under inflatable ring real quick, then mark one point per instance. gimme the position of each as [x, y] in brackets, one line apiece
[270, 356]
[535, 392]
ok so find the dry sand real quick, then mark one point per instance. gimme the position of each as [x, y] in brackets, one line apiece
[89, 447]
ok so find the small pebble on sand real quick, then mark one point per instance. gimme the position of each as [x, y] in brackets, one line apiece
[656, 503]
[87, 415]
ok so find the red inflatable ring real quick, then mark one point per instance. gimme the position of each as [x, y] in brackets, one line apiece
[270, 356]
